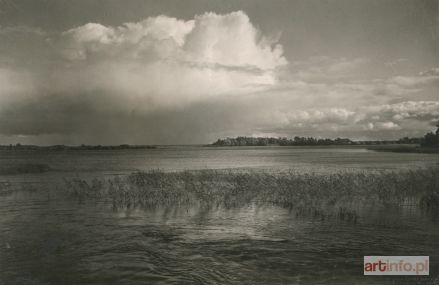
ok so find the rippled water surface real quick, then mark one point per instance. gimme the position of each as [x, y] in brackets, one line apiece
[47, 238]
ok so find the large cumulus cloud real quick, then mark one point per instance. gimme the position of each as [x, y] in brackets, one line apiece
[228, 40]
[171, 62]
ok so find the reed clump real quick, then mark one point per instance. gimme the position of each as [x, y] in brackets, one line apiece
[320, 195]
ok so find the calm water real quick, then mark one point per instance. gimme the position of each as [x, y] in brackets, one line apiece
[303, 159]
[46, 238]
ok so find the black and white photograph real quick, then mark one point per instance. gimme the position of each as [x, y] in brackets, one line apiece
[219, 142]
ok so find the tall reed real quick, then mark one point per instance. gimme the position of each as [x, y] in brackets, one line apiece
[316, 194]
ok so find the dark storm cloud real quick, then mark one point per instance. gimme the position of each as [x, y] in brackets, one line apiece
[87, 116]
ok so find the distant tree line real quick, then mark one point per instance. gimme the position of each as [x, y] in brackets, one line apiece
[265, 141]
[407, 140]
[431, 139]
[304, 141]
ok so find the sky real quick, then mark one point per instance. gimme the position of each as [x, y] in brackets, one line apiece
[192, 71]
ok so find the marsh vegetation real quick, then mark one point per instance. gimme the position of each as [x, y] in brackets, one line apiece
[343, 195]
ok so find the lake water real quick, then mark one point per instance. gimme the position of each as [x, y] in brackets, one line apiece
[176, 158]
[46, 238]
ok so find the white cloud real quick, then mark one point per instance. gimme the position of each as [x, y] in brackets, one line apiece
[152, 37]
[431, 72]
[389, 125]
[210, 39]
[170, 62]
[231, 40]
[421, 110]
[414, 117]
[424, 78]
[334, 115]
[413, 81]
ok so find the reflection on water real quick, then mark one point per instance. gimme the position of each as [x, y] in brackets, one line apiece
[47, 239]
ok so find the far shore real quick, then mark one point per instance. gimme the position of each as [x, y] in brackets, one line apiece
[404, 148]
[80, 147]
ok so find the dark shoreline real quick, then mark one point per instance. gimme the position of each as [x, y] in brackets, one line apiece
[404, 149]
[81, 147]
